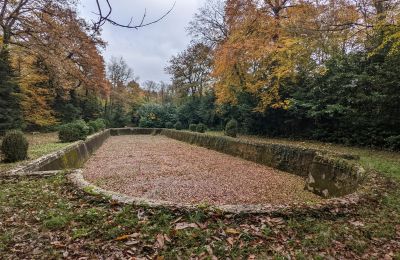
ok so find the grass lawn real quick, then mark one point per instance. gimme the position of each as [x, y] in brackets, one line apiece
[47, 218]
[39, 145]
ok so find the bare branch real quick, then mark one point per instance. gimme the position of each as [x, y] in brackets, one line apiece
[107, 18]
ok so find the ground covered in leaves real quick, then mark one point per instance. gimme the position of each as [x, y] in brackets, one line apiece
[48, 218]
[160, 168]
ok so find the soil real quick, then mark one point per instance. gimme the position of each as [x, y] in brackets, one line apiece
[160, 168]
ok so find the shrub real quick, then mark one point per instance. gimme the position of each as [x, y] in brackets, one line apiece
[193, 127]
[178, 125]
[96, 125]
[201, 128]
[14, 146]
[231, 128]
[169, 125]
[155, 115]
[72, 132]
[393, 143]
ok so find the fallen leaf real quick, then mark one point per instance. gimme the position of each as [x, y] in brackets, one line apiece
[232, 231]
[357, 223]
[121, 238]
[160, 241]
[184, 225]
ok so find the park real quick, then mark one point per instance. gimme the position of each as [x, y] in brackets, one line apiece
[275, 136]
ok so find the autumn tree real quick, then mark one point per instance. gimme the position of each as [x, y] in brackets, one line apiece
[37, 96]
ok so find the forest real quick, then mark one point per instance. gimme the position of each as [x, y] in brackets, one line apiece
[320, 70]
[277, 135]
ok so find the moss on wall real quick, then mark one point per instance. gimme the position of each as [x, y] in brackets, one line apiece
[328, 175]
[74, 156]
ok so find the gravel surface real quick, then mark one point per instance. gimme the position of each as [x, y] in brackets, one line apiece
[157, 167]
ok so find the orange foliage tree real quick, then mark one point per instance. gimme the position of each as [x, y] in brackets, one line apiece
[269, 41]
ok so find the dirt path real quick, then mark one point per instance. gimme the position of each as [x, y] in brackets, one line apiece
[157, 167]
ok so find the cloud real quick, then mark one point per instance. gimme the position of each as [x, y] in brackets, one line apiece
[148, 49]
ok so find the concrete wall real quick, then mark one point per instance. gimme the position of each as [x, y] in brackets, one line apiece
[71, 157]
[328, 175]
[75, 156]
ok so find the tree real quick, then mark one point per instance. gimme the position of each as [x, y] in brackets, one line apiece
[37, 96]
[209, 23]
[190, 70]
[121, 100]
[10, 111]
[119, 73]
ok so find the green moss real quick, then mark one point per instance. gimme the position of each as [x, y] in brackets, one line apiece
[342, 177]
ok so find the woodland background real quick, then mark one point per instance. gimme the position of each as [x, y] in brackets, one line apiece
[326, 70]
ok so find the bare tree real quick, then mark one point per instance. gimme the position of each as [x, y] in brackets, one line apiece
[209, 25]
[190, 70]
[118, 72]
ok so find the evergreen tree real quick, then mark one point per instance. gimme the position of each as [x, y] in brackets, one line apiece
[10, 111]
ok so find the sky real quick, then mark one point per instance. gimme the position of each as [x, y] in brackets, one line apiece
[146, 50]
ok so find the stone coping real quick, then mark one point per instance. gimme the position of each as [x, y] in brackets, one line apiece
[77, 179]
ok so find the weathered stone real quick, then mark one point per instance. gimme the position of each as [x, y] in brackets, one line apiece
[328, 175]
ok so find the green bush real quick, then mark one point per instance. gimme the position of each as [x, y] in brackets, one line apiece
[96, 125]
[178, 125]
[201, 128]
[72, 132]
[231, 128]
[193, 127]
[14, 146]
[155, 115]
[393, 143]
[169, 125]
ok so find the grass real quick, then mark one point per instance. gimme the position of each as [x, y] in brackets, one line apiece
[39, 145]
[47, 218]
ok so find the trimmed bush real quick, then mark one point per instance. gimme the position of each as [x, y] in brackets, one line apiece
[193, 127]
[201, 128]
[14, 146]
[96, 125]
[231, 128]
[169, 125]
[178, 125]
[72, 132]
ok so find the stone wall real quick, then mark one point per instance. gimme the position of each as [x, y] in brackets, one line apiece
[76, 155]
[70, 157]
[328, 175]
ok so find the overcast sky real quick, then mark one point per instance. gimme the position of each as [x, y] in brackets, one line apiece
[148, 49]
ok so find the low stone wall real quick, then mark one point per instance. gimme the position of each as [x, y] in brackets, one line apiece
[77, 155]
[71, 157]
[135, 131]
[328, 175]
